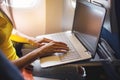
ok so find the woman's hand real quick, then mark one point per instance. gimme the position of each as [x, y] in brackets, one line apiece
[52, 47]
[39, 42]
[17, 36]
[45, 50]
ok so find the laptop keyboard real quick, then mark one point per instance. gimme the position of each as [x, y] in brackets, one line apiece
[72, 53]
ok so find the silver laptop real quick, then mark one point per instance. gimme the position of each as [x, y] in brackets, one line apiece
[82, 39]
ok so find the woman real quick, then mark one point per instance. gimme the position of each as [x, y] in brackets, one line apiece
[6, 46]
[45, 46]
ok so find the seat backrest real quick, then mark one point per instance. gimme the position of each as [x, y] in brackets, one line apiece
[7, 70]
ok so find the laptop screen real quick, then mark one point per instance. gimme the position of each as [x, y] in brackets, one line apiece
[88, 20]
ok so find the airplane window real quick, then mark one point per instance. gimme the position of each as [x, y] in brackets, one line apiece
[21, 3]
[73, 2]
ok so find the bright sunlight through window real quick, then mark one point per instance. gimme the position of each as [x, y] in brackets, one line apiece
[22, 3]
[73, 2]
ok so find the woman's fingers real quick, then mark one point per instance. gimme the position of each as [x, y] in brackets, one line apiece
[61, 48]
[60, 51]
[60, 43]
[47, 40]
[53, 47]
[43, 40]
[57, 47]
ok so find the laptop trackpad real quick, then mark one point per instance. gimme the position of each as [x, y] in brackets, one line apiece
[51, 60]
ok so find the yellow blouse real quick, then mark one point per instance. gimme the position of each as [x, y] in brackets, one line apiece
[6, 45]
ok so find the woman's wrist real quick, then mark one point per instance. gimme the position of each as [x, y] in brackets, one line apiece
[31, 40]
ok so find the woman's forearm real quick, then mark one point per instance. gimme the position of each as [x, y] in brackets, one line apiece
[27, 59]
